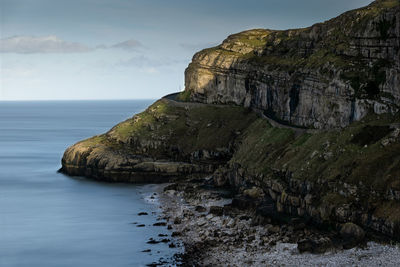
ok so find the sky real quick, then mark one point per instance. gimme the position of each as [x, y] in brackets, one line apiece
[128, 49]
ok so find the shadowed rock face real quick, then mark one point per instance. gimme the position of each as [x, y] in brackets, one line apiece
[324, 76]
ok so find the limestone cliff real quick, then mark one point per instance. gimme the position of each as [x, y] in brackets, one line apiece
[168, 140]
[329, 75]
[323, 76]
[331, 177]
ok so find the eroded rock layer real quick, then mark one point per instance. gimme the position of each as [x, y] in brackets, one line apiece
[168, 140]
[324, 76]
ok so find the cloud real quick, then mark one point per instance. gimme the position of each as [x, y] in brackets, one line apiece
[146, 62]
[131, 44]
[151, 70]
[45, 44]
[54, 44]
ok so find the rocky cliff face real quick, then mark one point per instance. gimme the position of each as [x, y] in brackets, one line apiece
[329, 75]
[324, 76]
[169, 140]
[332, 177]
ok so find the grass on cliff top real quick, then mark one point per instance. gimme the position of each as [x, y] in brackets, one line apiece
[284, 50]
[252, 38]
[190, 128]
[330, 156]
[140, 124]
[378, 6]
[93, 141]
[101, 141]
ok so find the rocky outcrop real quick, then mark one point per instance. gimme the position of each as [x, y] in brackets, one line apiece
[169, 140]
[324, 76]
[352, 233]
[103, 163]
[323, 207]
[332, 178]
[329, 75]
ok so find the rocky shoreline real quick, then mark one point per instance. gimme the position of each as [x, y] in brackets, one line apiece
[217, 231]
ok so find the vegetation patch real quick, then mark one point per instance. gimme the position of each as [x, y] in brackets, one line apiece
[335, 156]
[184, 96]
[383, 27]
[164, 128]
[93, 141]
[334, 199]
[370, 135]
[389, 210]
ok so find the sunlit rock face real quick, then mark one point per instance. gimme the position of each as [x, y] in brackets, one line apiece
[324, 76]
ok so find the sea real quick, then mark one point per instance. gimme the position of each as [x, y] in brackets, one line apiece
[50, 219]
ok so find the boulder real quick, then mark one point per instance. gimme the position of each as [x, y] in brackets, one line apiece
[254, 193]
[274, 229]
[216, 210]
[320, 245]
[177, 220]
[352, 234]
[200, 209]
[267, 208]
[242, 202]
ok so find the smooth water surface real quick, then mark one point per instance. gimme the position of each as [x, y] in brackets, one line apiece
[49, 219]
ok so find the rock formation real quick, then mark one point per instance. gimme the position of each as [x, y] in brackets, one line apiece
[323, 76]
[340, 77]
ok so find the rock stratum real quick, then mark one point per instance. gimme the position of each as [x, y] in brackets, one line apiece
[331, 152]
[324, 76]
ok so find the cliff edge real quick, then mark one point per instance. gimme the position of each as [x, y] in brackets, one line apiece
[324, 76]
[340, 78]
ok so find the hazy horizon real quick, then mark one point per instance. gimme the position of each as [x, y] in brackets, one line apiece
[117, 50]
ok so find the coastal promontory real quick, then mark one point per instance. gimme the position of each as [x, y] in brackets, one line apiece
[306, 120]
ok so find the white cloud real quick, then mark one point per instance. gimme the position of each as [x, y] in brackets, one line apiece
[54, 44]
[146, 62]
[151, 70]
[45, 44]
[131, 44]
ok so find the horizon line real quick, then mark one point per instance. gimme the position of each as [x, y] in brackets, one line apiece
[101, 99]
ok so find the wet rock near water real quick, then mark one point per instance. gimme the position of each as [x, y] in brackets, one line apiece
[160, 224]
[152, 241]
[216, 210]
[200, 209]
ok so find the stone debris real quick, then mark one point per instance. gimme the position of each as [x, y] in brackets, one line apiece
[231, 236]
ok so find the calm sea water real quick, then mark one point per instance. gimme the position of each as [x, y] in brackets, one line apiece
[49, 219]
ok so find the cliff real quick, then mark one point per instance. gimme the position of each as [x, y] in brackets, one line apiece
[341, 75]
[168, 140]
[323, 76]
